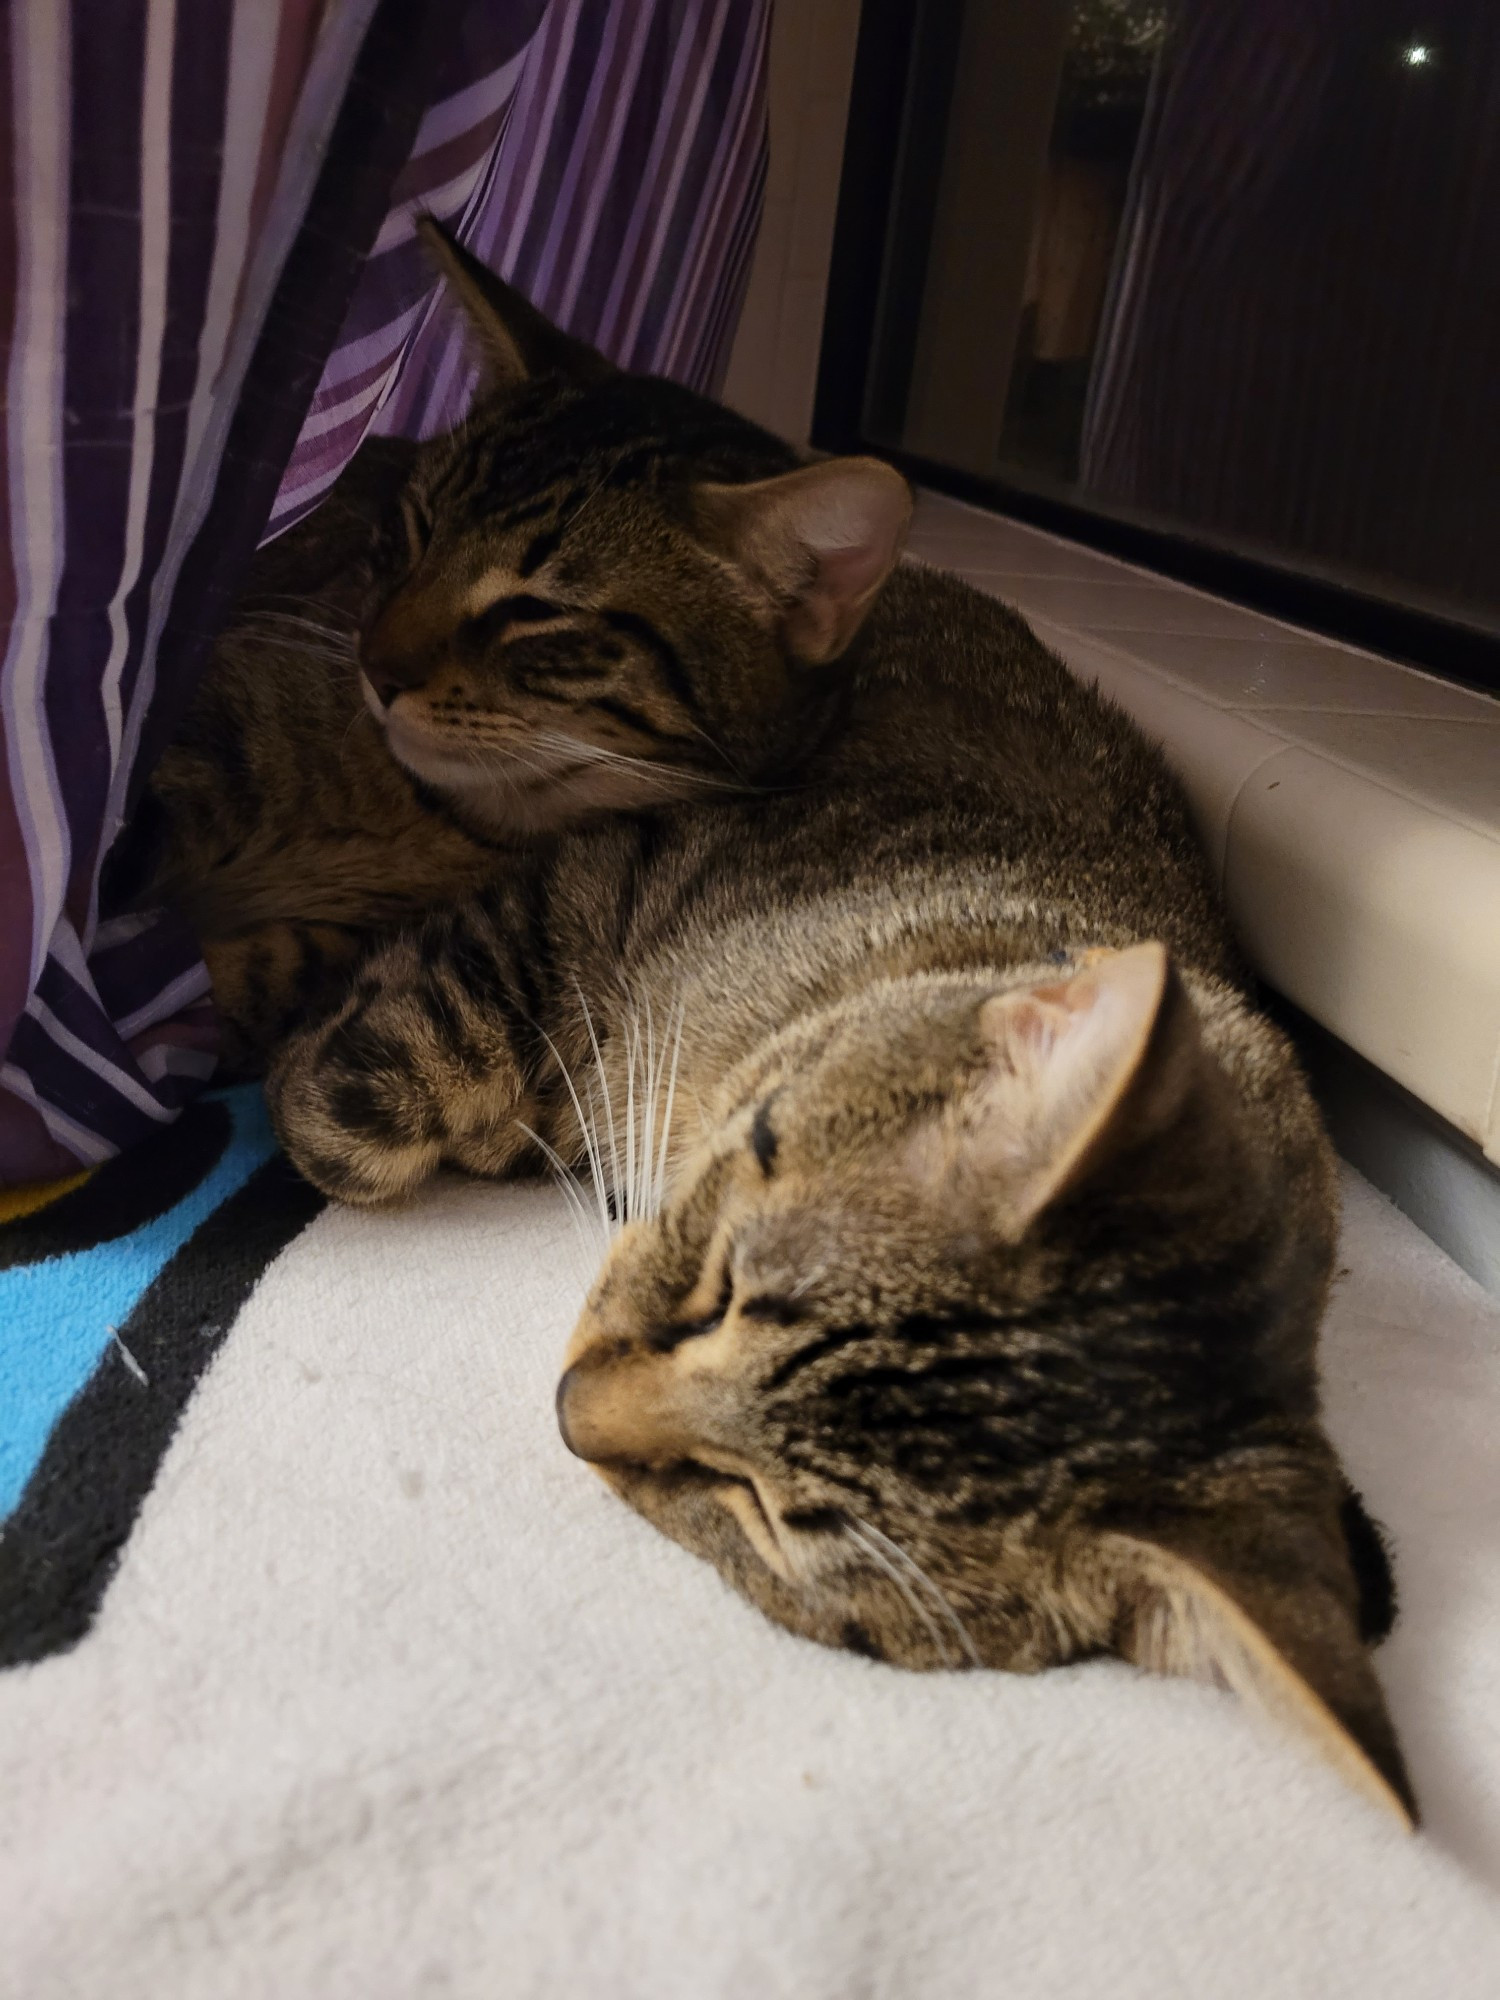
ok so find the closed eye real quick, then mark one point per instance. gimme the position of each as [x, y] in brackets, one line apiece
[667, 1338]
[776, 1311]
[524, 610]
[498, 617]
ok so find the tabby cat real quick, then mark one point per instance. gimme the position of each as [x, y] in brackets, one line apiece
[467, 646]
[977, 1229]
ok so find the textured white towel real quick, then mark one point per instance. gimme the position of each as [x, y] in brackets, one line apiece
[392, 1698]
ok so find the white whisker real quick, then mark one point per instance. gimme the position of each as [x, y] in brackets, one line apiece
[587, 1132]
[632, 1063]
[567, 1180]
[884, 1563]
[609, 1109]
[648, 1121]
[310, 634]
[724, 757]
[808, 1279]
[655, 769]
[659, 1189]
[914, 1569]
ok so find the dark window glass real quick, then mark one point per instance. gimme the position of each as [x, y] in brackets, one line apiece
[1227, 271]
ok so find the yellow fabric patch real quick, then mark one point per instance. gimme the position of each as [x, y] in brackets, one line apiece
[32, 1195]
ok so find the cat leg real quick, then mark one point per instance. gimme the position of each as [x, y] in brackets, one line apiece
[414, 1067]
[267, 980]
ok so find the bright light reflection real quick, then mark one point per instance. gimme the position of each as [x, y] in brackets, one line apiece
[1416, 55]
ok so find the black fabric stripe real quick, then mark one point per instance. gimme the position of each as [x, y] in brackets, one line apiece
[137, 857]
[390, 88]
[131, 1189]
[60, 1546]
[73, 1085]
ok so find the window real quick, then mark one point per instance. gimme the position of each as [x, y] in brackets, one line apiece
[1212, 282]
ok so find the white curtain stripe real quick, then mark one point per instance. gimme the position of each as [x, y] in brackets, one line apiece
[40, 65]
[162, 174]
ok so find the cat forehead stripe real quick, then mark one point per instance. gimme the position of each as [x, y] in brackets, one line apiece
[763, 1140]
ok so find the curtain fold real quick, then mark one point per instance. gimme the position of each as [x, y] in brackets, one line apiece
[210, 291]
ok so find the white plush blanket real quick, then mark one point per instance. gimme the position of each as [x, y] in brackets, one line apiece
[392, 1698]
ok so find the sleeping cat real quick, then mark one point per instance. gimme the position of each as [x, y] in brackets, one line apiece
[463, 649]
[977, 1228]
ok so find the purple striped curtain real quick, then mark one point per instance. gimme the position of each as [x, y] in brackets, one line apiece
[210, 291]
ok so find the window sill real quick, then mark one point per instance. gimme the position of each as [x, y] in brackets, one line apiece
[1350, 805]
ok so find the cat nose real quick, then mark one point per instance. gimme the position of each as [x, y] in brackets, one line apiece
[625, 1408]
[564, 1389]
[390, 674]
[576, 1419]
[398, 651]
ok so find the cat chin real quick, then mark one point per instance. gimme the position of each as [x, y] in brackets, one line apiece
[494, 801]
[539, 797]
[488, 798]
[414, 748]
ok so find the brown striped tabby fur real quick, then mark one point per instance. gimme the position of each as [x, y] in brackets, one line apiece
[522, 614]
[976, 1228]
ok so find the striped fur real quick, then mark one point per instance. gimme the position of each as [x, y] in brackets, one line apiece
[977, 1230]
[512, 629]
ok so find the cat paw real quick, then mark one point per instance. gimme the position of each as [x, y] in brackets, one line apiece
[364, 1132]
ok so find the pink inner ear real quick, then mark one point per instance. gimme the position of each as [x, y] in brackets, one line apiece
[849, 516]
[824, 620]
[1035, 1021]
[849, 573]
[819, 541]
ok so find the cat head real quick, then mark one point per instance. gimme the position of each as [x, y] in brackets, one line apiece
[604, 589]
[980, 1333]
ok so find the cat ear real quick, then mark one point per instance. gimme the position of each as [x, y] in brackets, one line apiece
[516, 342]
[820, 541]
[1272, 1629]
[1073, 1071]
